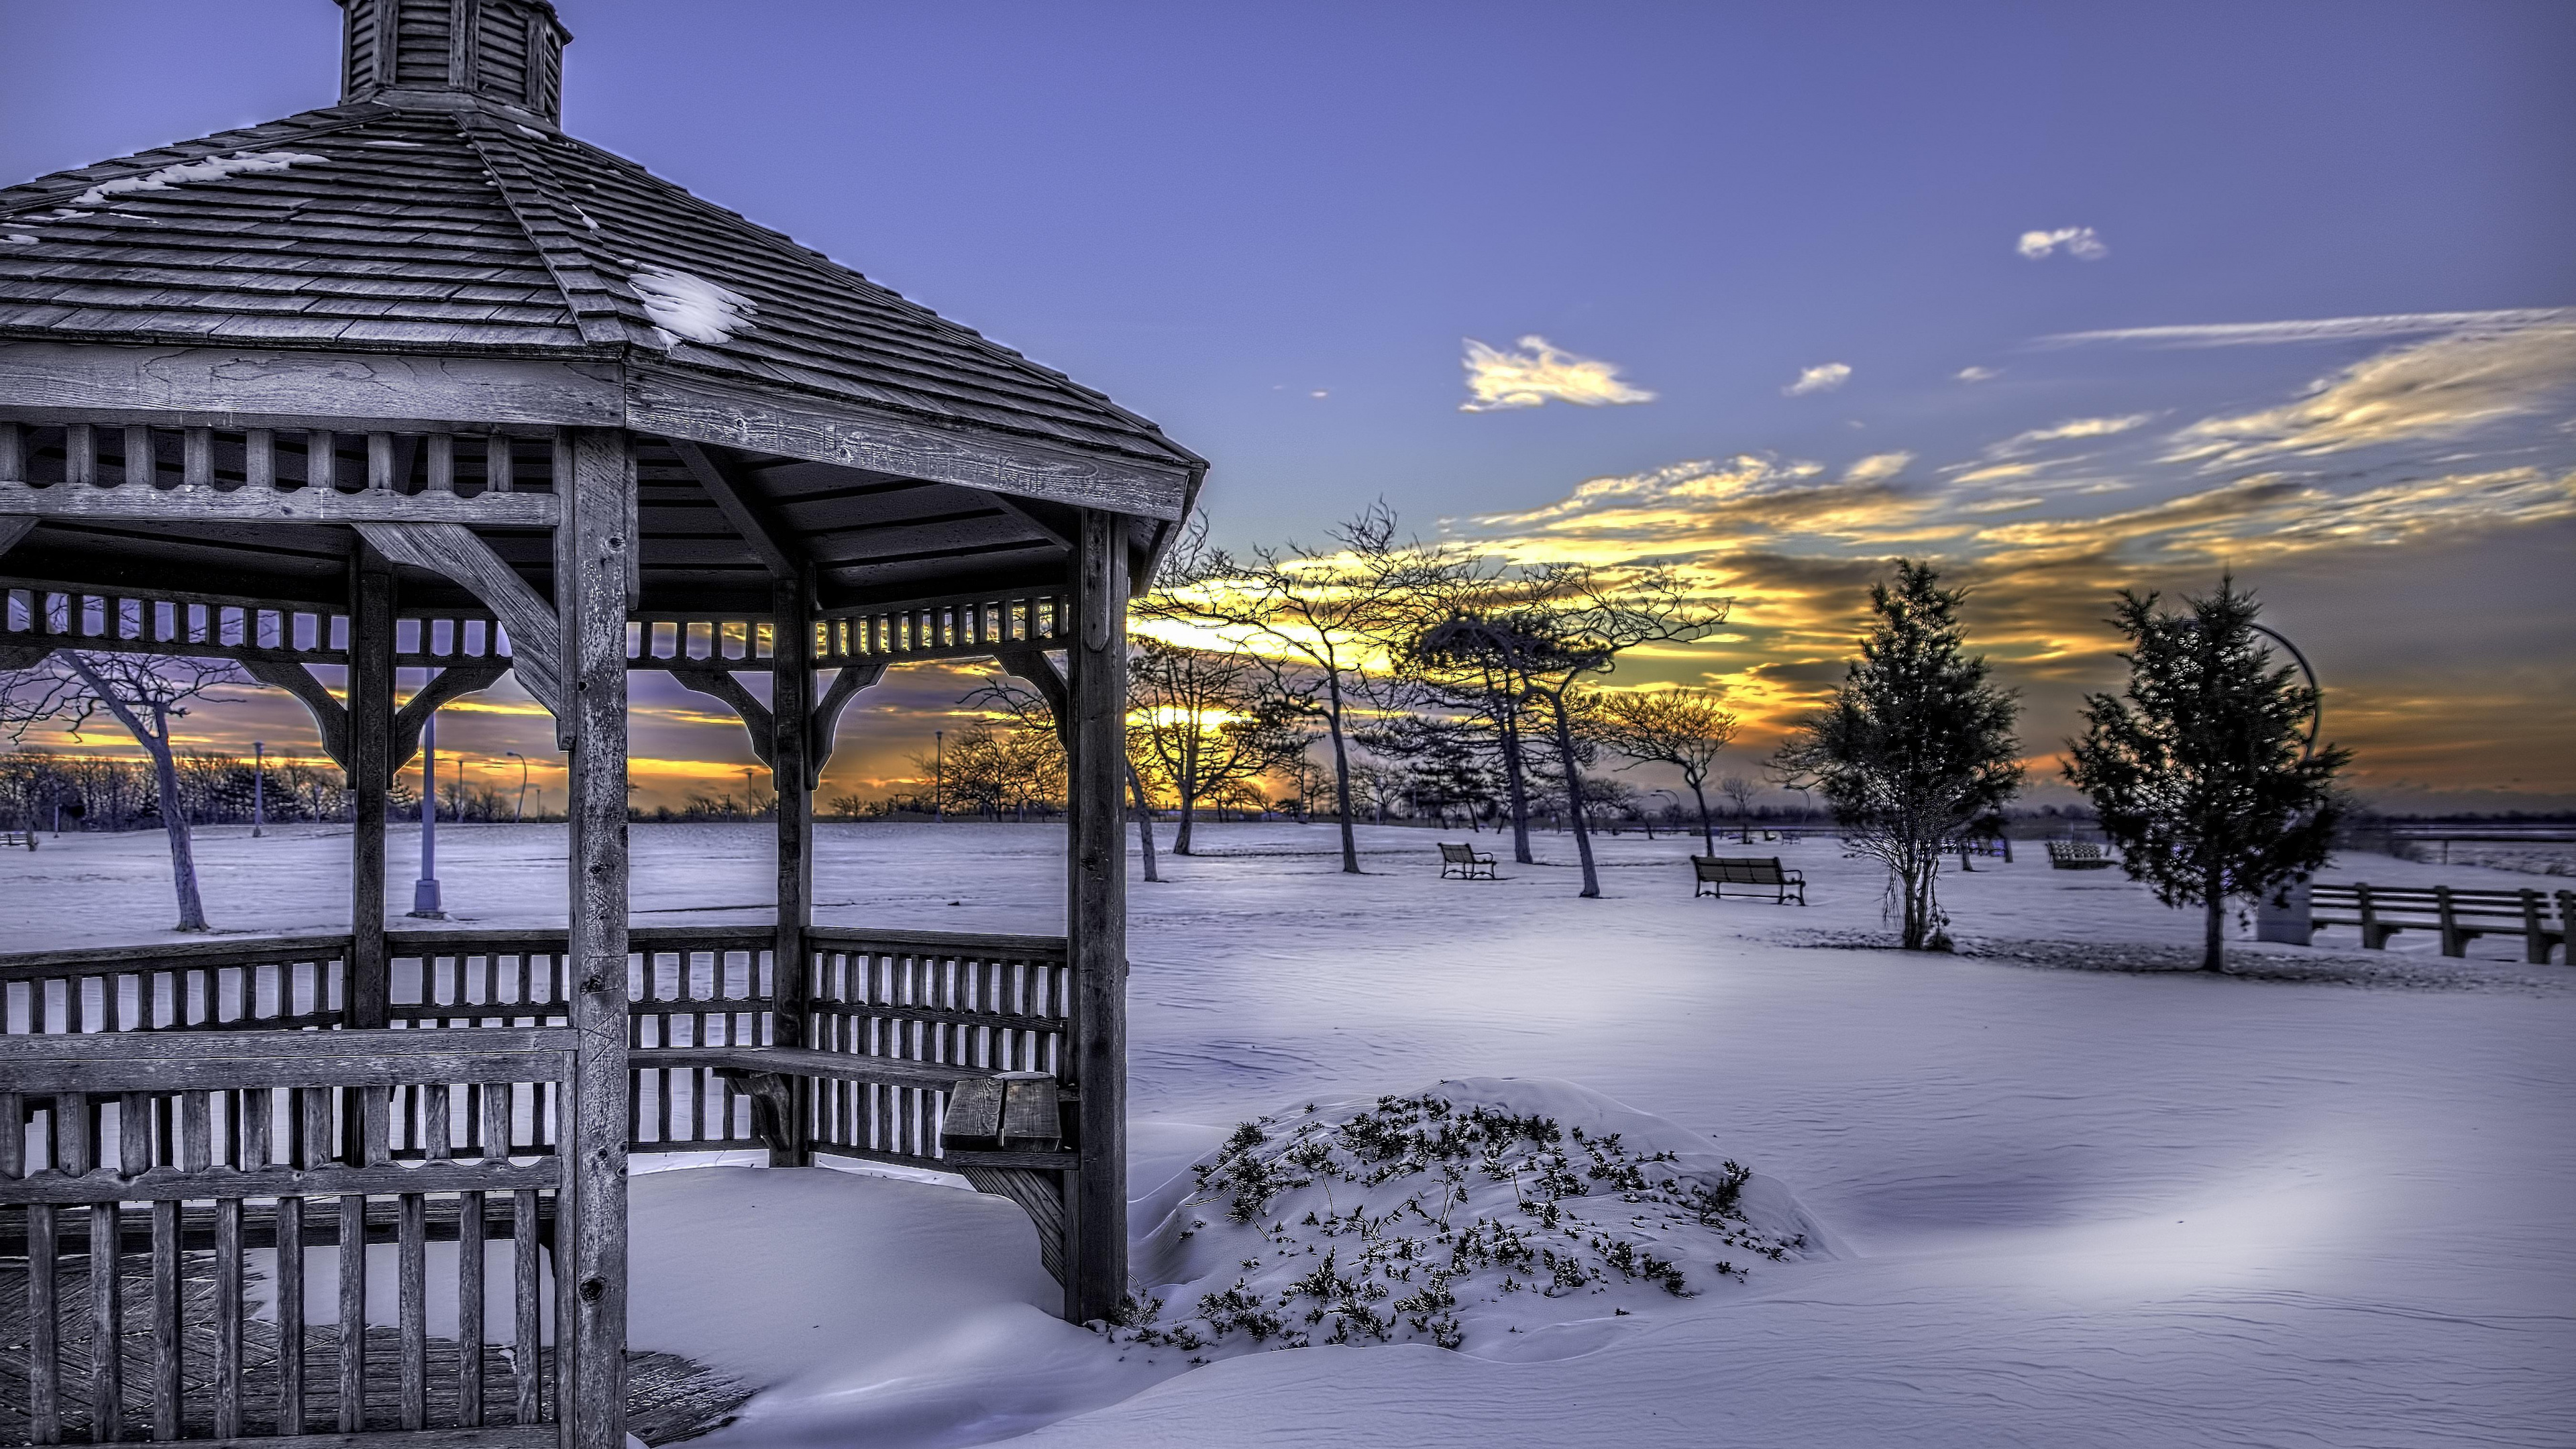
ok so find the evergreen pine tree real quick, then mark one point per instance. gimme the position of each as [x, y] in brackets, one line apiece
[2202, 774]
[1915, 747]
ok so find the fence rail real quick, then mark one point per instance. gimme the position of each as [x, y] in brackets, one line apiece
[154, 1166]
[979, 1003]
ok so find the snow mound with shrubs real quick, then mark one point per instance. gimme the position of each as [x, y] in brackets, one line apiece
[1510, 1218]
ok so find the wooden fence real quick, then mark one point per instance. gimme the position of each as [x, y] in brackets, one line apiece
[154, 1168]
[894, 1020]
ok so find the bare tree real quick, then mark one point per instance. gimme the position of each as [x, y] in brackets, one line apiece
[1741, 789]
[1552, 627]
[1205, 722]
[1031, 711]
[147, 694]
[1683, 728]
[1316, 620]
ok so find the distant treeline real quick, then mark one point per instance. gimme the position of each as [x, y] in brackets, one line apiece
[43, 790]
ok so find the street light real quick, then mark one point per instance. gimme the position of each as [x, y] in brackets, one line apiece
[938, 772]
[519, 812]
[1676, 809]
[258, 787]
[424, 892]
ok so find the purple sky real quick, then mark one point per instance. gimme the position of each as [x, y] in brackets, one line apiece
[1273, 229]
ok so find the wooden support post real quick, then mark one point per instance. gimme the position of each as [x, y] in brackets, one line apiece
[370, 765]
[1096, 917]
[591, 1276]
[791, 704]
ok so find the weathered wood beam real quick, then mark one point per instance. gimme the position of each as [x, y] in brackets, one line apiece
[369, 750]
[453, 550]
[725, 481]
[224, 387]
[1034, 666]
[825, 733]
[330, 716]
[140, 503]
[1034, 519]
[711, 679]
[791, 709]
[451, 682]
[822, 431]
[1096, 916]
[15, 527]
[591, 1236]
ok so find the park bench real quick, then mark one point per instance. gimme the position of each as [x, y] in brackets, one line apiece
[2076, 855]
[1716, 872]
[2461, 915]
[12, 839]
[1463, 862]
[1991, 846]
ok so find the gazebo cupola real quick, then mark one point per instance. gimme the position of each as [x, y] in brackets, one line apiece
[417, 382]
[501, 53]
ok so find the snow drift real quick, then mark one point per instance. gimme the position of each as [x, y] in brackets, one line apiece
[1505, 1217]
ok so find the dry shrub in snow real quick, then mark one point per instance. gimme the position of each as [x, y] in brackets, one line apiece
[1458, 1216]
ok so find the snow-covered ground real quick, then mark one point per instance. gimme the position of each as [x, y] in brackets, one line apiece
[2322, 1201]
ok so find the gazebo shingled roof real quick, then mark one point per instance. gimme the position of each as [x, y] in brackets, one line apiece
[418, 382]
[423, 220]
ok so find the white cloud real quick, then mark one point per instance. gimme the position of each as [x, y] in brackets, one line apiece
[2023, 442]
[1978, 374]
[1538, 374]
[2329, 329]
[1877, 467]
[2435, 389]
[1824, 377]
[2079, 242]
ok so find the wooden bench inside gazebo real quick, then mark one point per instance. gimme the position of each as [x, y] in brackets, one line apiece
[417, 382]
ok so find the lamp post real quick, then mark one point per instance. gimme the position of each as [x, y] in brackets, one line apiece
[1676, 808]
[424, 892]
[938, 775]
[258, 788]
[519, 812]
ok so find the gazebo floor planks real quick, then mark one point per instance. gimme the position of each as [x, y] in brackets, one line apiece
[669, 1398]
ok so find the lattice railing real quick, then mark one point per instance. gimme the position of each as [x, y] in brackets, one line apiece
[178, 622]
[997, 1002]
[86, 455]
[981, 1002]
[213, 986]
[167, 624]
[950, 628]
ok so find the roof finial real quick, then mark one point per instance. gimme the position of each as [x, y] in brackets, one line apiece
[448, 53]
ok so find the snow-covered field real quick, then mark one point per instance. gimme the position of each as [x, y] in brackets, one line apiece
[2322, 1201]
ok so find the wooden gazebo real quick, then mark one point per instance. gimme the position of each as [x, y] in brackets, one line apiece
[417, 381]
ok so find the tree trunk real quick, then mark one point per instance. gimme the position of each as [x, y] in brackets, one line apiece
[1707, 827]
[2213, 939]
[174, 821]
[1189, 783]
[1145, 821]
[1916, 923]
[1574, 797]
[1510, 731]
[1342, 778]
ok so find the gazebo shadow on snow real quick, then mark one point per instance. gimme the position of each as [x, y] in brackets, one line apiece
[417, 381]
